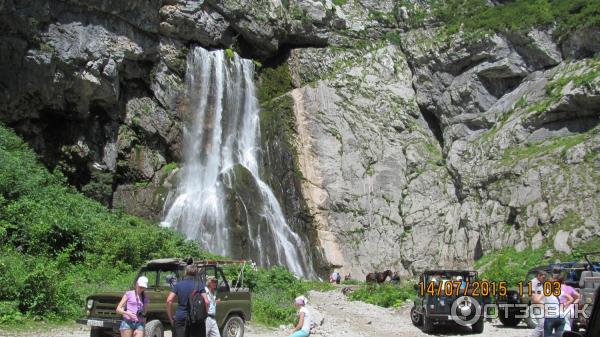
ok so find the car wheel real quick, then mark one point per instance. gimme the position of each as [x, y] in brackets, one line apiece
[234, 327]
[427, 324]
[508, 321]
[154, 329]
[478, 326]
[531, 322]
[415, 317]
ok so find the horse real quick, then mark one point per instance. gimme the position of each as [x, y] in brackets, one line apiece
[378, 277]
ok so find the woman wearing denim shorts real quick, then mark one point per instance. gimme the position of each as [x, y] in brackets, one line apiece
[133, 308]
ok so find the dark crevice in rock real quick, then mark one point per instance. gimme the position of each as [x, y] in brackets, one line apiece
[499, 87]
[434, 125]
[279, 58]
[512, 217]
[465, 65]
[478, 253]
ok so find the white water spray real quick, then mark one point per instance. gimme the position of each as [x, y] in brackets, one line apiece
[223, 134]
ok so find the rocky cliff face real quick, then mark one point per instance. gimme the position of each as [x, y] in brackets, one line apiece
[396, 147]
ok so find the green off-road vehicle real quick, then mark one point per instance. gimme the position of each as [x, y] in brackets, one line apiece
[448, 297]
[232, 312]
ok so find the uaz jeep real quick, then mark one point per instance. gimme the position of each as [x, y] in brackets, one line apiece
[232, 311]
[448, 297]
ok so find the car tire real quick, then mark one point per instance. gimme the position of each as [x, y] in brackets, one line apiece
[234, 327]
[154, 328]
[508, 321]
[531, 323]
[478, 326]
[427, 324]
[416, 317]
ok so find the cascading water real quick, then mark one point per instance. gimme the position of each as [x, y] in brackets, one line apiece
[222, 154]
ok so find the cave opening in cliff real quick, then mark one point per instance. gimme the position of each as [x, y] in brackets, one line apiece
[434, 125]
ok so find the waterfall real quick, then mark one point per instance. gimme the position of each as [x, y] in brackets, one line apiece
[221, 154]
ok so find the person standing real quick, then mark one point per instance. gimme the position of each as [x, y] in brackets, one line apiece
[212, 328]
[554, 324]
[537, 297]
[302, 328]
[568, 298]
[395, 279]
[182, 291]
[133, 309]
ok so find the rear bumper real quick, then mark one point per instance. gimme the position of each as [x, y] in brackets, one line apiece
[100, 323]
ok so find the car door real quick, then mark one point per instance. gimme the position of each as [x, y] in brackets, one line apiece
[223, 293]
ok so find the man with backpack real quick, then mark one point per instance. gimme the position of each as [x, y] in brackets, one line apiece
[192, 305]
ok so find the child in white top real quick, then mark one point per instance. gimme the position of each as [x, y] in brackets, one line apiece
[302, 329]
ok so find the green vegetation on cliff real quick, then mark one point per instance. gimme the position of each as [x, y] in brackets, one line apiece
[509, 265]
[58, 246]
[478, 16]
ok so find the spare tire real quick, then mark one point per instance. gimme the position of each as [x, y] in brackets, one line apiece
[154, 328]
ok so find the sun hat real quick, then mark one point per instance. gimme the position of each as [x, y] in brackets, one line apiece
[301, 300]
[142, 282]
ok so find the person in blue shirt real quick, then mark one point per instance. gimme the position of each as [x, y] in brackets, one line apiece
[181, 292]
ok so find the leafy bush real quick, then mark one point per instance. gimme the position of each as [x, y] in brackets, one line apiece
[58, 246]
[9, 313]
[509, 265]
[385, 294]
[274, 82]
[273, 293]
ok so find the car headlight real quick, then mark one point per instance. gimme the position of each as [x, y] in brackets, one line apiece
[90, 304]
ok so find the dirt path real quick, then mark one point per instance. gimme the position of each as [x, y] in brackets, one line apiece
[339, 317]
[336, 317]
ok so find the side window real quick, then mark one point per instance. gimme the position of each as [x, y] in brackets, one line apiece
[152, 276]
[209, 271]
[169, 277]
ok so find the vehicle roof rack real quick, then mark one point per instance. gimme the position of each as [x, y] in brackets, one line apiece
[209, 261]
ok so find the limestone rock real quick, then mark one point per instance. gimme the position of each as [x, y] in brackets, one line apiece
[561, 242]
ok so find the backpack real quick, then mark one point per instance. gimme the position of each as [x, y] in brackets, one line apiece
[197, 307]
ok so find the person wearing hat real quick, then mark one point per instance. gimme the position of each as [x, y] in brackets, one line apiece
[212, 328]
[133, 309]
[302, 329]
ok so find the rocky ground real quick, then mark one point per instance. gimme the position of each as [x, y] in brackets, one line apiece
[336, 316]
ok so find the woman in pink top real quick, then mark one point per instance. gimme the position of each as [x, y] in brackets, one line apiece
[133, 308]
[568, 296]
